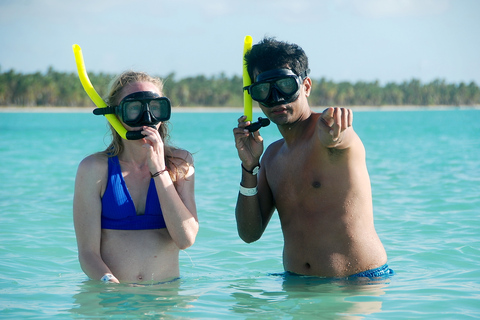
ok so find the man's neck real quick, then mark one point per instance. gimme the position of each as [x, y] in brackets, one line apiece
[296, 130]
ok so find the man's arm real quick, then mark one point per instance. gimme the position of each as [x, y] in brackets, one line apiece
[254, 208]
[253, 212]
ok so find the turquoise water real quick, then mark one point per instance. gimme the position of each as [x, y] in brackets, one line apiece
[425, 173]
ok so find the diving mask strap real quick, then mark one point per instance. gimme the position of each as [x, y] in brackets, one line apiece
[305, 74]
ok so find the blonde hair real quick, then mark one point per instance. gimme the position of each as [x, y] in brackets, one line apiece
[116, 146]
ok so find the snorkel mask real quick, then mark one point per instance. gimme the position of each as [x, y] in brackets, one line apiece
[274, 87]
[110, 112]
[144, 108]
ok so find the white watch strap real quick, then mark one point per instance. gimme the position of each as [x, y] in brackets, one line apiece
[248, 192]
[107, 277]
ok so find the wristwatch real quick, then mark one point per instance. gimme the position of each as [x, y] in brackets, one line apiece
[252, 172]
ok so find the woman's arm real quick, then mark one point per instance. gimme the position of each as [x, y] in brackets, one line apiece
[87, 209]
[178, 202]
[177, 199]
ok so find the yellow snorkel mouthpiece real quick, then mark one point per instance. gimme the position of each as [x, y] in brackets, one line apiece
[97, 100]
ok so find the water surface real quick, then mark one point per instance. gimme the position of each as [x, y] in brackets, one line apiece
[425, 172]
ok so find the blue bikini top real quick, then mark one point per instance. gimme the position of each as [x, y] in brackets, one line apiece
[118, 210]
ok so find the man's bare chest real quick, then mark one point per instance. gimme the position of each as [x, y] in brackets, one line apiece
[303, 172]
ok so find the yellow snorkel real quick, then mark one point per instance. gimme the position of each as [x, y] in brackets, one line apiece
[97, 100]
[247, 98]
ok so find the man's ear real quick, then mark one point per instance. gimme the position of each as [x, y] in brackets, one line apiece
[307, 83]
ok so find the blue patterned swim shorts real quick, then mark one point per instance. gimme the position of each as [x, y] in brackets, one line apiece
[383, 271]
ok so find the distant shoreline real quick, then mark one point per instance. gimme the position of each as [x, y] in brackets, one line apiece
[15, 109]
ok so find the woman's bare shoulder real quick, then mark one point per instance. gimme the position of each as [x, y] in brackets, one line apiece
[182, 155]
[182, 161]
[95, 163]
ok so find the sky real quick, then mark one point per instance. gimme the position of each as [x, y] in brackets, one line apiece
[345, 40]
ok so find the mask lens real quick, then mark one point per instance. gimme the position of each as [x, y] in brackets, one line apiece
[160, 108]
[260, 90]
[288, 85]
[143, 109]
[275, 86]
[155, 108]
[133, 110]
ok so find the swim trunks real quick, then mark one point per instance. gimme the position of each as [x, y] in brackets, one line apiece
[380, 272]
[383, 271]
[118, 209]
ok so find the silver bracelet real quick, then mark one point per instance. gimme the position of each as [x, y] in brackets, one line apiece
[107, 277]
[248, 192]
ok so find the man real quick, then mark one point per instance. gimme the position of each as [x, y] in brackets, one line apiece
[315, 177]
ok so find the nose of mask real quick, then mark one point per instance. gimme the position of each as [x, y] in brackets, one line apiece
[277, 98]
[146, 120]
[147, 117]
[274, 98]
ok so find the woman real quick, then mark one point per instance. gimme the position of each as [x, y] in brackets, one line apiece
[134, 205]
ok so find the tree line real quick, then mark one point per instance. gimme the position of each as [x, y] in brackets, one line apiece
[54, 88]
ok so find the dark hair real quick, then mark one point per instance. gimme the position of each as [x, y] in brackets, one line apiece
[270, 54]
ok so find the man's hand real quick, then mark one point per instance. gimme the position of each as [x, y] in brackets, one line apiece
[249, 145]
[337, 121]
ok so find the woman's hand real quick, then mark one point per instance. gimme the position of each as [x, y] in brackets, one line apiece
[156, 149]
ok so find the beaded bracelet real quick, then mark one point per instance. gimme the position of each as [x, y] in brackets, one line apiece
[156, 174]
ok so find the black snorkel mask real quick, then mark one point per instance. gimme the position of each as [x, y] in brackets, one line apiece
[140, 109]
[274, 87]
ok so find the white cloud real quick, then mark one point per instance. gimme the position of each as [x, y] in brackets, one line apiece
[394, 8]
